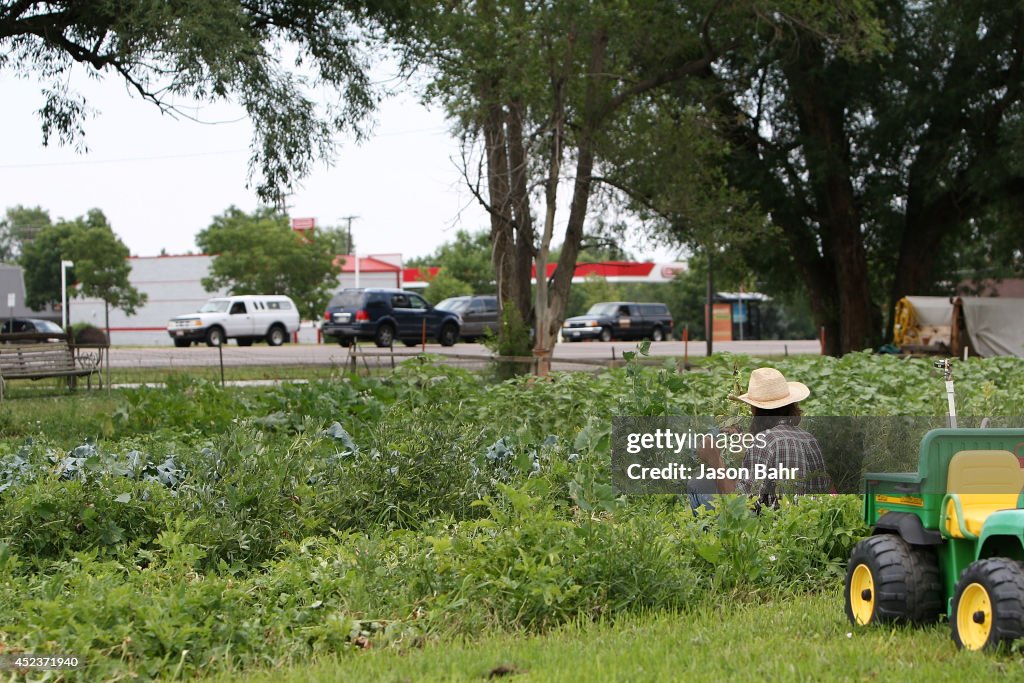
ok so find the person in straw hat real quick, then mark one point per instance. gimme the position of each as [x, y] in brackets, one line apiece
[784, 458]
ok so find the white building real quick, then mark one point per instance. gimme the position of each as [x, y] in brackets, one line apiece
[173, 285]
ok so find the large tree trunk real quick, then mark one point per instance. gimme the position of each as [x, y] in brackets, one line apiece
[827, 156]
[511, 221]
[934, 211]
[519, 198]
[582, 185]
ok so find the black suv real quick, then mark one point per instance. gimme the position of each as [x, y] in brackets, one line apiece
[385, 315]
[620, 320]
[478, 314]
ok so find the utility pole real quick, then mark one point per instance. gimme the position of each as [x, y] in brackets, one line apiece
[282, 205]
[349, 219]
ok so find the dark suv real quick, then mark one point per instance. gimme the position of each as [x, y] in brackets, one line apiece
[620, 320]
[478, 314]
[385, 315]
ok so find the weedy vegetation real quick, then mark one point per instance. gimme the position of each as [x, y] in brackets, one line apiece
[195, 530]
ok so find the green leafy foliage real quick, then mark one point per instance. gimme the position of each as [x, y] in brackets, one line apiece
[268, 526]
[100, 262]
[18, 227]
[259, 253]
[466, 259]
[215, 51]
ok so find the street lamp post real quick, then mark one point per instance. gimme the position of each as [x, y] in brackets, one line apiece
[64, 265]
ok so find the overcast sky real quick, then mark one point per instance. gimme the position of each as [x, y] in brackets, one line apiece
[161, 180]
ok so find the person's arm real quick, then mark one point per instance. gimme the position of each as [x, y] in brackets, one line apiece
[712, 457]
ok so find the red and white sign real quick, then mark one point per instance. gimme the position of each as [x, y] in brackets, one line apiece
[303, 223]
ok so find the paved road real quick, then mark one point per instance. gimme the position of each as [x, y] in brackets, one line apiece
[326, 355]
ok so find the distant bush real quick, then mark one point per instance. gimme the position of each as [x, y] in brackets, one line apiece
[84, 333]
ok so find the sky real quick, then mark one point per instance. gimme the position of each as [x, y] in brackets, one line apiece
[161, 180]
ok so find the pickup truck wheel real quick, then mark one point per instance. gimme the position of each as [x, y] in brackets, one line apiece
[988, 604]
[606, 334]
[385, 336]
[214, 336]
[888, 580]
[449, 335]
[276, 335]
[657, 335]
[182, 343]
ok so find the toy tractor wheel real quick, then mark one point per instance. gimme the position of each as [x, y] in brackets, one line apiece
[888, 580]
[988, 604]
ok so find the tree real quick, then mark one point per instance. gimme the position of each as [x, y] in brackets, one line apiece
[877, 168]
[18, 227]
[210, 51]
[444, 285]
[101, 265]
[41, 263]
[466, 258]
[259, 253]
[544, 85]
[336, 238]
[536, 83]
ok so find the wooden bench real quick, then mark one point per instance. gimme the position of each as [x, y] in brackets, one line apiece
[35, 356]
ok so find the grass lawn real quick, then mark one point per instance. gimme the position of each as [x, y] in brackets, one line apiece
[805, 638]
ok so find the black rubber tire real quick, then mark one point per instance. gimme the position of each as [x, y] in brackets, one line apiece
[657, 335]
[345, 341]
[215, 336]
[449, 334]
[276, 335]
[606, 334]
[907, 583]
[1003, 581]
[244, 341]
[410, 342]
[385, 336]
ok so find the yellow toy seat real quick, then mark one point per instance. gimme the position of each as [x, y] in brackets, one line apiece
[978, 484]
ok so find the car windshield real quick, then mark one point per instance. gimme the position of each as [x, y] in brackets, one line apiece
[454, 304]
[48, 327]
[349, 298]
[215, 306]
[603, 309]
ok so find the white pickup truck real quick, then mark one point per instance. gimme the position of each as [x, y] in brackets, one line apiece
[272, 318]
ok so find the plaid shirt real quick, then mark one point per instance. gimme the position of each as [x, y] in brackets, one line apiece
[785, 446]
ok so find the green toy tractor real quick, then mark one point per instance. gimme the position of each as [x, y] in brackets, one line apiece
[948, 538]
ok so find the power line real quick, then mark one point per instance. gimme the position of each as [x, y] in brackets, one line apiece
[87, 162]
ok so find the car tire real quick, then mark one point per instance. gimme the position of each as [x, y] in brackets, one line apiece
[606, 334]
[276, 335]
[244, 341]
[215, 337]
[182, 343]
[449, 334]
[385, 336]
[988, 605]
[657, 335]
[889, 581]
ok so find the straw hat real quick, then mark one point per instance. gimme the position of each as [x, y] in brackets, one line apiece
[768, 389]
